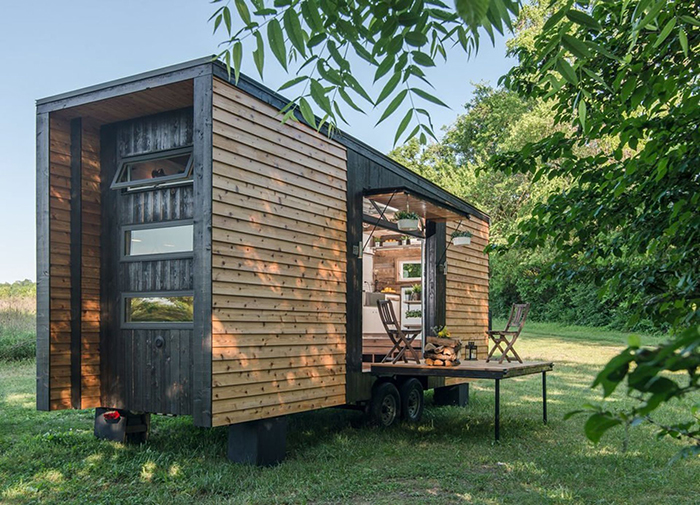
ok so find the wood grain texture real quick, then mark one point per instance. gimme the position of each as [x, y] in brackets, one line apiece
[279, 263]
[467, 295]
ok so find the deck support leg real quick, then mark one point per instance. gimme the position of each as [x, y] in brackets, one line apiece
[544, 397]
[122, 426]
[262, 442]
[497, 417]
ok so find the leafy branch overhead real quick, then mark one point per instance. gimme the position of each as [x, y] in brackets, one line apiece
[322, 42]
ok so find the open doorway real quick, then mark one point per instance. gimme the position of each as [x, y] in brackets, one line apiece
[393, 269]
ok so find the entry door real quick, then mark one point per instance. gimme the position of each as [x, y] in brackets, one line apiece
[148, 280]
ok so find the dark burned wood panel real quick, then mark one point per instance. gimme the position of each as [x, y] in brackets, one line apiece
[164, 275]
[150, 368]
[160, 132]
[166, 204]
[158, 378]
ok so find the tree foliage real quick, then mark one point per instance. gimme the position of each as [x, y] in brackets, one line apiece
[625, 76]
[322, 41]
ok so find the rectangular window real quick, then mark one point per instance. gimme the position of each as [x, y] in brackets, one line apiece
[154, 169]
[410, 270]
[163, 240]
[159, 309]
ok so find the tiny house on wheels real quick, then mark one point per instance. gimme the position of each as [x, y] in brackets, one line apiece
[198, 257]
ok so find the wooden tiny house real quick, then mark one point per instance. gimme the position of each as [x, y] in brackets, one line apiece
[197, 257]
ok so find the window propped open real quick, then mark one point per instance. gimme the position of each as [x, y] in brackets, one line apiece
[165, 167]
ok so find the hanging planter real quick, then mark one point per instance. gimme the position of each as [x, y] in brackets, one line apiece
[407, 221]
[461, 237]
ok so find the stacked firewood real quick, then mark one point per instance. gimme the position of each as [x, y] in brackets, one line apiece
[442, 351]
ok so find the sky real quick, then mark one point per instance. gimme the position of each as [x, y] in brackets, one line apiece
[49, 47]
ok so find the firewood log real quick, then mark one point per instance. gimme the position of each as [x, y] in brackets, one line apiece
[448, 342]
[438, 362]
[429, 361]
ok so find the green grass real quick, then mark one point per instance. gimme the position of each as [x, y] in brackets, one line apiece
[334, 457]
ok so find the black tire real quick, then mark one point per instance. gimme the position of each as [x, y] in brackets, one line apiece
[385, 406]
[412, 400]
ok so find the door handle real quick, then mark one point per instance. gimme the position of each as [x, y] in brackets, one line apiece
[159, 342]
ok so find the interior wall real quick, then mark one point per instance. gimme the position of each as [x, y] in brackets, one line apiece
[279, 254]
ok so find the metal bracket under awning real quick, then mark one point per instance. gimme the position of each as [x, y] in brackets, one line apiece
[425, 206]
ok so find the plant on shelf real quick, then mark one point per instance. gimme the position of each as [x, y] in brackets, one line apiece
[461, 237]
[407, 220]
[414, 313]
[415, 292]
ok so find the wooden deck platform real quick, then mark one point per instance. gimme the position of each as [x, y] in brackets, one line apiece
[465, 370]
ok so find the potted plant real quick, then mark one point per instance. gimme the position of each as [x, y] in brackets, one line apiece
[416, 292]
[461, 237]
[407, 220]
[377, 241]
[413, 313]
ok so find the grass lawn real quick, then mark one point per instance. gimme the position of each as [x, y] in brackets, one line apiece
[334, 457]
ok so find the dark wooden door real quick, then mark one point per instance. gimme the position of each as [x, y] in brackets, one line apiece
[147, 290]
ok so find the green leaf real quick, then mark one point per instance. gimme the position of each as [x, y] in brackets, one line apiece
[583, 19]
[597, 425]
[276, 38]
[227, 19]
[683, 39]
[665, 32]
[312, 17]
[237, 53]
[472, 12]
[566, 71]
[292, 82]
[318, 93]
[554, 19]
[344, 95]
[422, 59]
[582, 114]
[357, 88]
[393, 105]
[384, 67]
[576, 47]
[403, 125]
[307, 112]
[259, 53]
[389, 87]
[243, 11]
[427, 96]
[294, 31]
[416, 39]
[651, 15]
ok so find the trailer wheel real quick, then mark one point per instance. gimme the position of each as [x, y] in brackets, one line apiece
[385, 405]
[412, 400]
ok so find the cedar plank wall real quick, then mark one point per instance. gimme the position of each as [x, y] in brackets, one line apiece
[467, 296]
[59, 270]
[279, 263]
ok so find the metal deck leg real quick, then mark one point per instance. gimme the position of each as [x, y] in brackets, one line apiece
[498, 410]
[544, 397]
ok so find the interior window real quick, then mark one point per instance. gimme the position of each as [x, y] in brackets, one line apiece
[154, 169]
[159, 309]
[163, 240]
[410, 270]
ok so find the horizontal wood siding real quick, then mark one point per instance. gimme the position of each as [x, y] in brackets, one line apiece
[279, 263]
[60, 265]
[90, 289]
[467, 293]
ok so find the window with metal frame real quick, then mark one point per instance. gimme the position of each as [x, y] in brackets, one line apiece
[170, 238]
[159, 308]
[154, 169]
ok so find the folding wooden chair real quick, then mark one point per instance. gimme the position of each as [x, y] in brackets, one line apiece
[402, 338]
[516, 321]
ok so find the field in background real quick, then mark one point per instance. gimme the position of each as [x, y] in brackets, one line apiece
[334, 457]
[17, 322]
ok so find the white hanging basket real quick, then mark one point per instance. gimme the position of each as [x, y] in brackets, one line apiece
[461, 240]
[408, 224]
